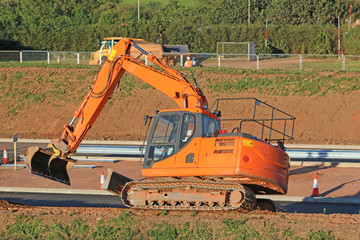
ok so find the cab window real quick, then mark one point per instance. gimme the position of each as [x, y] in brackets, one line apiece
[158, 153]
[165, 130]
[211, 127]
[163, 142]
[187, 128]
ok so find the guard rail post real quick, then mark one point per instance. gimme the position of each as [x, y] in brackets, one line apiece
[181, 59]
[301, 67]
[219, 65]
[257, 62]
[78, 58]
[21, 57]
[48, 57]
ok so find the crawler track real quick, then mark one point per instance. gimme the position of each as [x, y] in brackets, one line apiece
[188, 195]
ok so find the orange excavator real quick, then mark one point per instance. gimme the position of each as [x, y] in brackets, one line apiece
[190, 163]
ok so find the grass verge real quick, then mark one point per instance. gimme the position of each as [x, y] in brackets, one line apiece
[124, 226]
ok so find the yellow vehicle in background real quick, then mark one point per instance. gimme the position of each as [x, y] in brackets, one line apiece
[170, 54]
[100, 56]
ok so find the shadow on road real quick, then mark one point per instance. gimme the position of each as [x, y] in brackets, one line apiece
[302, 170]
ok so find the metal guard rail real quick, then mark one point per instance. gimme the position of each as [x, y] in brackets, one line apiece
[294, 154]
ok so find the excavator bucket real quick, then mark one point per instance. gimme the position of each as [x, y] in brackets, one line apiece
[45, 163]
[115, 182]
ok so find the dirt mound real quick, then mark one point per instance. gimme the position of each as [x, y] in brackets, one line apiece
[37, 102]
[9, 205]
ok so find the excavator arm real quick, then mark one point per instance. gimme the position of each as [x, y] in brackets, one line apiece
[53, 162]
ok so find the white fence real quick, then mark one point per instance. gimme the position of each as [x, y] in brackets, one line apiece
[67, 57]
[6, 56]
[245, 61]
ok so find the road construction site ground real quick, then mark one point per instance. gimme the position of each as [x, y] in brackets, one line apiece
[333, 182]
[332, 119]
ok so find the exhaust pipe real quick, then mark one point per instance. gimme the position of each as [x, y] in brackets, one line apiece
[46, 163]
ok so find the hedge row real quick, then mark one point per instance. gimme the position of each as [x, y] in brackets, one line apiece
[79, 25]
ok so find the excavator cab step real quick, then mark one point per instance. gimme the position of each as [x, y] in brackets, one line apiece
[45, 163]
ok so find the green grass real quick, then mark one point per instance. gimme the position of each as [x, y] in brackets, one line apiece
[352, 64]
[78, 229]
[330, 65]
[21, 88]
[320, 235]
[122, 227]
[283, 84]
[125, 227]
[287, 233]
[239, 228]
[26, 228]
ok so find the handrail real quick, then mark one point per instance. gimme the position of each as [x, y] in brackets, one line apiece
[266, 123]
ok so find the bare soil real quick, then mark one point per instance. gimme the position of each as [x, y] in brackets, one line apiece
[334, 119]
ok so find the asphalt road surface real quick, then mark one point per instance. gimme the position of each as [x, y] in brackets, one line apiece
[72, 200]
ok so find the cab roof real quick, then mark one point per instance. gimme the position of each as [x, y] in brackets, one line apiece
[191, 110]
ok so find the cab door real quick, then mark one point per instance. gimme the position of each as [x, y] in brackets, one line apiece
[162, 142]
[188, 144]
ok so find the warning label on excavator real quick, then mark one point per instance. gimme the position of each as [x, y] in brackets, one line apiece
[112, 55]
[248, 143]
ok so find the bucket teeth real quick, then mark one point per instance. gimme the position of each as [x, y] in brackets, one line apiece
[64, 181]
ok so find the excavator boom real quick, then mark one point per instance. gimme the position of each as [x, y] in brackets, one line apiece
[53, 162]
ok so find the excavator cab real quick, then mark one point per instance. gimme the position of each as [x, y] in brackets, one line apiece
[173, 130]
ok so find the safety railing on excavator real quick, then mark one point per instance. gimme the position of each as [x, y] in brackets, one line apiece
[268, 123]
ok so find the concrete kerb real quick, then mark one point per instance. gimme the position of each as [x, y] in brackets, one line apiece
[100, 192]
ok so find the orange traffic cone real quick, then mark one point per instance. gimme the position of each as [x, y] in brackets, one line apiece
[58, 60]
[315, 191]
[5, 156]
[102, 179]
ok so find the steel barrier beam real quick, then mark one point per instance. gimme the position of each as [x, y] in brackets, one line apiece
[294, 154]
